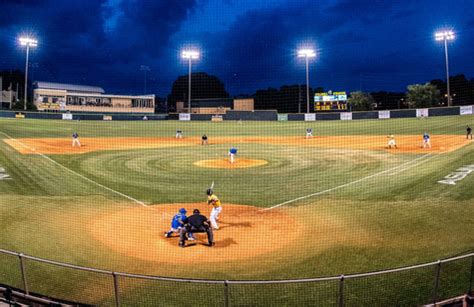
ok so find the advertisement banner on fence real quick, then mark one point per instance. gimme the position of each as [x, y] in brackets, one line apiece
[384, 114]
[184, 116]
[421, 112]
[310, 117]
[282, 117]
[346, 116]
[67, 116]
[465, 110]
[19, 115]
[107, 117]
[217, 118]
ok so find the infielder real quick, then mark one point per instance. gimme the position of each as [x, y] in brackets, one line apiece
[213, 200]
[391, 141]
[179, 134]
[75, 139]
[468, 133]
[309, 133]
[177, 224]
[426, 140]
[204, 139]
[232, 153]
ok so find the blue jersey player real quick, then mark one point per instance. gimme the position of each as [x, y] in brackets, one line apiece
[177, 223]
[232, 153]
[426, 140]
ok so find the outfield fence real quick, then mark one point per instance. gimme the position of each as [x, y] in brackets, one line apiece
[412, 285]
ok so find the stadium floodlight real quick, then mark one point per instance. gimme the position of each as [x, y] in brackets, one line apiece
[446, 35]
[28, 42]
[307, 54]
[189, 55]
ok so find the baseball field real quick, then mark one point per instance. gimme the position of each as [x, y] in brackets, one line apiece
[337, 203]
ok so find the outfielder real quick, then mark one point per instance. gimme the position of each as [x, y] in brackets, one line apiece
[309, 133]
[177, 224]
[213, 200]
[391, 141]
[75, 139]
[232, 153]
[426, 140]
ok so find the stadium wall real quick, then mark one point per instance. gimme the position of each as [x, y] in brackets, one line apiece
[259, 115]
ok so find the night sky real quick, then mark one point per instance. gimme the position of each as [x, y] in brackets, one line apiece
[249, 44]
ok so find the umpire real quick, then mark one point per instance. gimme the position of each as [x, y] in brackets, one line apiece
[196, 223]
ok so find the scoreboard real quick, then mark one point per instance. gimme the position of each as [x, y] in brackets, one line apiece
[330, 101]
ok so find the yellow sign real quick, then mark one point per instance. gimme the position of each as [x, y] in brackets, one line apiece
[216, 118]
[48, 106]
[19, 115]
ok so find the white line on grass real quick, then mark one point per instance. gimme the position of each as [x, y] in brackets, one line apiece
[75, 173]
[346, 184]
[412, 165]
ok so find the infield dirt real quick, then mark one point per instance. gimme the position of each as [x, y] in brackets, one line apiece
[406, 143]
[225, 163]
[245, 232]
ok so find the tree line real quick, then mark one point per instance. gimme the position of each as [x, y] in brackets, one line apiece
[292, 98]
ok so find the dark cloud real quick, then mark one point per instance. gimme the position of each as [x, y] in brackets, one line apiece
[385, 44]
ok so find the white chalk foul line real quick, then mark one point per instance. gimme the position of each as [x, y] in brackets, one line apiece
[75, 173]
[346, 184]
[412, 165]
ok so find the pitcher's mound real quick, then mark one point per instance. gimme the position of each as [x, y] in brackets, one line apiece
[245, 232]
[225, 163]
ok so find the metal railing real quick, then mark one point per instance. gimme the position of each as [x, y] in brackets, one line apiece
[340, 294]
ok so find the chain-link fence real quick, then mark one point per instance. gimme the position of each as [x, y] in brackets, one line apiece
[407, 286]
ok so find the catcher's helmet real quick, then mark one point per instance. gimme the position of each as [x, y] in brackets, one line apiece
[182, 210]
[196, 211]
[209, 192]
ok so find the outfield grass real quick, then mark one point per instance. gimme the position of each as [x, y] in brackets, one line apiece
[398, 218]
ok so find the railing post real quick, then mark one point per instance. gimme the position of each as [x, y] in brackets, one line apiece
[226, 293]
[435, 291]
[472, 275]
[116, 289]
[23, 274]
[341, 292]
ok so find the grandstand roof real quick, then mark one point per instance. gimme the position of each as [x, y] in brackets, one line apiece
[69, 87]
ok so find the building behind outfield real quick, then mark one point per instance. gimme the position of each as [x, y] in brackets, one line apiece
[50, 96]
[215, 106]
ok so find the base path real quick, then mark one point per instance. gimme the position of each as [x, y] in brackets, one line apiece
[244, 233]
[406, 143]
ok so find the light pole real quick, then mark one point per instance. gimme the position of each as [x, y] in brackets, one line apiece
[189, 55]
[446, 36]
[28, 42]
[145, 69]
[307, 54]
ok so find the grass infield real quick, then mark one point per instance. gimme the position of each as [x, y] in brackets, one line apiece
[312, 209]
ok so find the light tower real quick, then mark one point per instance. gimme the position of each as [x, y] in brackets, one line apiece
[307, 54]
[28, 42]
[446, 36]
[189, 55]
